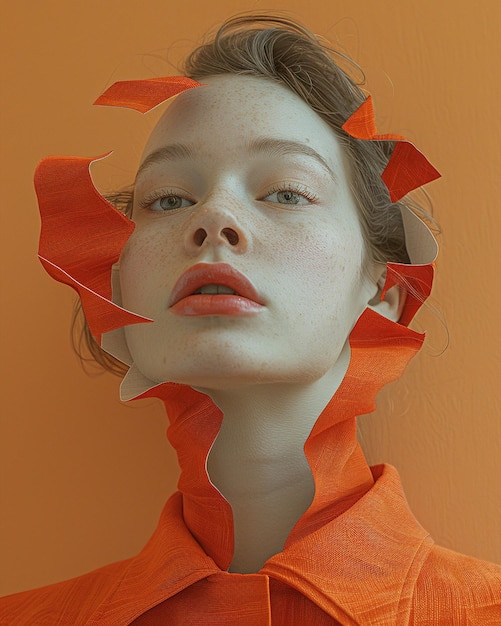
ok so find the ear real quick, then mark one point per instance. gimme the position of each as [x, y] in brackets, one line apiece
[392, 305]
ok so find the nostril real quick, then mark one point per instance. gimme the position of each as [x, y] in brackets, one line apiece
[200, 236]
[231, 236]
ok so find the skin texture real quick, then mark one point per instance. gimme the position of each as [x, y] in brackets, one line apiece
[285, 219]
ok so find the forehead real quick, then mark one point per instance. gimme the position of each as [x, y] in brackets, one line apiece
[232, 109]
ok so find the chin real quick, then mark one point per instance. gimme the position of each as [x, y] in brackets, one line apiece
[234, 377]
[226, 363]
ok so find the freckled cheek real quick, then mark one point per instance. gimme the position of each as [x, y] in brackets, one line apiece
[144, 272]
[319, 255]
[321, 268]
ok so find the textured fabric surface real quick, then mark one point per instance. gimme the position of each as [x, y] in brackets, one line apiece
[372, 566]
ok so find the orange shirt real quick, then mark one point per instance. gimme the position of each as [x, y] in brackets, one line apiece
[356, 557]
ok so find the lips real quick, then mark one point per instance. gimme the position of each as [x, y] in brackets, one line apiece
[214, 289]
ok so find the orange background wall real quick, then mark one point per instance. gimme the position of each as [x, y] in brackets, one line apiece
[83, 478]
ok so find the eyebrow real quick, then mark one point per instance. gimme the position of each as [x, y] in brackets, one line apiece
[275, 147]
[285, 147]
[175, 151]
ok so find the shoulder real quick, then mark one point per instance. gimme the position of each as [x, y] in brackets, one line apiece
[68, 602]
[456, 589]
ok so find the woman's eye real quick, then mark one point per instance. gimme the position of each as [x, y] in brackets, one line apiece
[289, 196]
[168, 203]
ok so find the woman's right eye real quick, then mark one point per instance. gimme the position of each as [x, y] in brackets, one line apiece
[169, 202]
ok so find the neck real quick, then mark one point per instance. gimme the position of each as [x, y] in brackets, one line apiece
[253, 442]
[258, 462]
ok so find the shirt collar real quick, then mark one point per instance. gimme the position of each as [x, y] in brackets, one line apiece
[360, 563]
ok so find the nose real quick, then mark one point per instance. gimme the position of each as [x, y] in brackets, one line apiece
[228, 234]
[215, 227]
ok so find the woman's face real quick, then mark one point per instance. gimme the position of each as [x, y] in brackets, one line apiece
[247, 252]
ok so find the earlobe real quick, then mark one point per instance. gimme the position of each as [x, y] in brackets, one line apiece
[392, 305]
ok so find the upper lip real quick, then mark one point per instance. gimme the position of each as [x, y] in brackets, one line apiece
[212, 274]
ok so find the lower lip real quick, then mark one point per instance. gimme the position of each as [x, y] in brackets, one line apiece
[228, 305]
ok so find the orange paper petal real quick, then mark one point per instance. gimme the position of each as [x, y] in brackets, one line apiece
[81, 238]
[407, 168]
[144, 95]
[362, 124]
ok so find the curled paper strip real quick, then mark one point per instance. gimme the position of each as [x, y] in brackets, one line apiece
[144, 95]
[407, 168]
[82, 236]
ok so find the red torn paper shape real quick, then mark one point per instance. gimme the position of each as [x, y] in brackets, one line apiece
[81, 238]
[144, 95]
[407, 168]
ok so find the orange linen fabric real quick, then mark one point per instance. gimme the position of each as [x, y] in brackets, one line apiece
[356, 557]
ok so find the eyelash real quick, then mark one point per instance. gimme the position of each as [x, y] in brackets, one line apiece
[147, 202]
[301, 190]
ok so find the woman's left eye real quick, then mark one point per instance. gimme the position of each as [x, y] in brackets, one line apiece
[290, 196]
[169, 202]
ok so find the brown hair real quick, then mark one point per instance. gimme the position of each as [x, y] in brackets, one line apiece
[284, 51]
